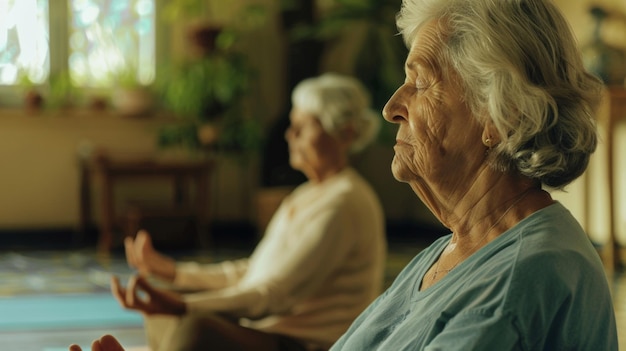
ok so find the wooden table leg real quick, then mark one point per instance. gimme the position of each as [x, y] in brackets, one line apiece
[202, 208]
[105, 239]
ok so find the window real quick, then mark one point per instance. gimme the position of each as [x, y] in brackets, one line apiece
[95, 41]
[24, 47]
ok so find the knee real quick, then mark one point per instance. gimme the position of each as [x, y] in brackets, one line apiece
[188, 335]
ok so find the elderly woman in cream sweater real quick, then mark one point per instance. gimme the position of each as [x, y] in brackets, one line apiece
[319, 264]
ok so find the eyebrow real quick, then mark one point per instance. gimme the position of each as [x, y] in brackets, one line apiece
[411, 66]
[426, 61]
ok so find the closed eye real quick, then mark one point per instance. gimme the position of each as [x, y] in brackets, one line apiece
[421, 84]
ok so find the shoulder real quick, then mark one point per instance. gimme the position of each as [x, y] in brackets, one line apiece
[348, 190]
[553, 242]
[556, 275]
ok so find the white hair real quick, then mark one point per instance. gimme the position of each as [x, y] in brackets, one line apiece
[338, 102]
[520, 68]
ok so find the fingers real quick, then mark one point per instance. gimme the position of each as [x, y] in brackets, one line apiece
[105, 343]
[96, 346]
[140, 295]
[143, 249]
[129, 244]
[131, 293]
[109, 343]
[138, 252]
[143, 239]
[118, 291]
[142, 283]
[128, 297]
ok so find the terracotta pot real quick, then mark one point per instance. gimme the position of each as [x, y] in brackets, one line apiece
[204, 38]
[33, 100]
[134, 102]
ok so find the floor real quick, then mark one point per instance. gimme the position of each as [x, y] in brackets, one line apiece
[73, 263]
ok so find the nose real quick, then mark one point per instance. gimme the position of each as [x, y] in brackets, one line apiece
[395, 110]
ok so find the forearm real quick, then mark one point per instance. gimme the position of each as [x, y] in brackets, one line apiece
[192, 275]
[233, 301]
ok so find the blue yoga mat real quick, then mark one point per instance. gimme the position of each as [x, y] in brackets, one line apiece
[64, 312]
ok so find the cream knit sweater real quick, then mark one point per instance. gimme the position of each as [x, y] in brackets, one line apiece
[319, 264]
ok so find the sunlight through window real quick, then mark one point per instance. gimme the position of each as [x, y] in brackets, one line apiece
[24, 49]
[112, 41]
[109, 41]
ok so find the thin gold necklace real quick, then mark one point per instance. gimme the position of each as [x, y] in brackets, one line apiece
[447, 270]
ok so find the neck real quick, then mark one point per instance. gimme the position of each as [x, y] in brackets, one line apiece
[327, 170]
[490, 218]
[321, 175]
[469, 211]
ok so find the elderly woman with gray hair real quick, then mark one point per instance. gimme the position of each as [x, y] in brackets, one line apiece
[319, 264]
[496, 106]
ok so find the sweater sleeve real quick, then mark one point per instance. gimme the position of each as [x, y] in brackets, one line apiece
[283, 273]
[191, 275]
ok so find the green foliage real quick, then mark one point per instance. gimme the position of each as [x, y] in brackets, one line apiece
[240, 134]
[126, 77]
[60, 89]
[175, 9]
[212, 88]
[185, 135]
[236, 134]
[205, 89]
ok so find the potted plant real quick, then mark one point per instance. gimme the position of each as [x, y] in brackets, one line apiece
[33, 99]
[130, 98]
[205, 92]
[59, 93]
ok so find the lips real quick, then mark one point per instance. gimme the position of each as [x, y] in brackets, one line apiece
[401, 142]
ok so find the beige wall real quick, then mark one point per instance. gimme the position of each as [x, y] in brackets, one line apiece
[39, 153]
[40, 175]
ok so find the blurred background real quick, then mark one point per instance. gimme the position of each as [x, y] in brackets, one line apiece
[143, 81]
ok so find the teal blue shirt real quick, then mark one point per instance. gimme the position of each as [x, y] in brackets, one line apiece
[538, 286]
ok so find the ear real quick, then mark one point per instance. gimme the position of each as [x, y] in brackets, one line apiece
[490, 136]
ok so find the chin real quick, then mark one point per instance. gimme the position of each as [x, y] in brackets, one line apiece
[294, 165]
[401, 173]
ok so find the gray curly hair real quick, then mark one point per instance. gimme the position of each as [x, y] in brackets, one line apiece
[339, 101]
[520, 67]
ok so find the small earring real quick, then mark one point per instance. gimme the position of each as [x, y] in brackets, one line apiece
[487, 142]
